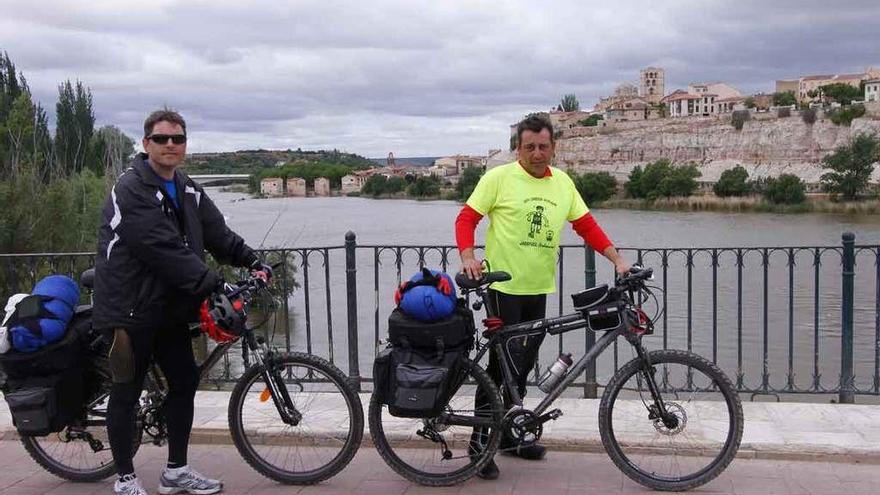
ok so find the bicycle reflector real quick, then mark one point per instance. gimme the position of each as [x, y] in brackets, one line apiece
[222, 319]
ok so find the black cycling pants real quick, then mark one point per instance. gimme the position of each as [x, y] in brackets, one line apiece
[131, 354]
[523, 351]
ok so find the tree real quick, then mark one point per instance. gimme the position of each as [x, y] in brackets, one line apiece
[739, 117]
[841, 93]
[395, 185]
[424, 187]
[591, 121]
[374, 185]
[809, 116]
[750, 102]
[733, 182]
[785, 189]
[570, 103]
[467, 182]
[845, 115]
[74, 127]
[662, 179]
[851, 166]
[784, 99]
[595, 187]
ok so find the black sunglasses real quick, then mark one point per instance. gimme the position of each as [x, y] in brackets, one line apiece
[163, 138]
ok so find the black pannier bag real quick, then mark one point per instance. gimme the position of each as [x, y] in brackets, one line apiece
[45, 389]
[599, 306]
[422, 366]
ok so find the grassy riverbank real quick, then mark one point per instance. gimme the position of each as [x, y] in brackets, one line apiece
[742, 205]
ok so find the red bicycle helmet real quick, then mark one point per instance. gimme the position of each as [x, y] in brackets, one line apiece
[223, 320]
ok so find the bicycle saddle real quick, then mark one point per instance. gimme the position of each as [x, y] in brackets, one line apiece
[87, 279]
[465, 282]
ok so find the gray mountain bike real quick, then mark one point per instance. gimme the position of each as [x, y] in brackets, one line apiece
[294, 417]
[669, 419]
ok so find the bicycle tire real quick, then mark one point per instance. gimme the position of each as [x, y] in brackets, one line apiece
[42, 457]
[724, 385]
[383, 446]
[259, 463]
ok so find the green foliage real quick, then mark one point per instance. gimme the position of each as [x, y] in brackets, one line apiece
[749, 102]
[785, 189]
[595, 187]
[396, 185]
[733, 182]
[65, 218]
[662, 179]
[784, 99]
[845, 115]
[374, 185]
[467, 182]
[808, 115]
[75, 123]
[570, 103]
[739, 117]
[851, 166]
[841, 93]
[424, 187]
[591, 121]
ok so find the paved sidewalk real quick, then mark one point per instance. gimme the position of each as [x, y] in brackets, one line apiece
[791, 431]
[561, 473]
[786, 430]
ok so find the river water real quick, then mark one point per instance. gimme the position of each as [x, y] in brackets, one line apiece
[801, 346]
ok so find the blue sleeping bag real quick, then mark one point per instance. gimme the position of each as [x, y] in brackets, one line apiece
[42, 317]
[428, 296]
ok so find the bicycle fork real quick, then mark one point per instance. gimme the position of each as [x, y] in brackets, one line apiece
[276, 390]
[658, 409]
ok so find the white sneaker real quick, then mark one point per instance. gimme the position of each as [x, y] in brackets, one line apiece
[129, 485]
[187, 480]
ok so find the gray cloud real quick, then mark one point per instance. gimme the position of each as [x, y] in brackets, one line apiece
[416, 78]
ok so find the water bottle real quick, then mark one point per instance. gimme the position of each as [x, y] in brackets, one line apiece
[555, 373]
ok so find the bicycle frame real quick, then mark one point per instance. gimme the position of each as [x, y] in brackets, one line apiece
[552, 326]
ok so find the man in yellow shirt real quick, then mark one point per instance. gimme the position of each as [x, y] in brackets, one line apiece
[527, 202]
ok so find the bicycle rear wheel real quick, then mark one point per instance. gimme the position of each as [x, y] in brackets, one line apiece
[81, 451]
[322, 443]
[413, 447]
[676, 453]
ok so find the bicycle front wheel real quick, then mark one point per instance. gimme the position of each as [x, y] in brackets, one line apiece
[320, 444]
[695, 441]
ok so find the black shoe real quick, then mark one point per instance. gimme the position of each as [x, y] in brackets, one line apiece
[533, 452]
[490, 471]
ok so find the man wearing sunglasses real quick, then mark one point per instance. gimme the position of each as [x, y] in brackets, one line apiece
[150, 279]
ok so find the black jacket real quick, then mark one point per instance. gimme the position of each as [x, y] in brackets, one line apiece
[150, 268]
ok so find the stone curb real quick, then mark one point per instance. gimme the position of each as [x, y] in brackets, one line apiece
[783, 452]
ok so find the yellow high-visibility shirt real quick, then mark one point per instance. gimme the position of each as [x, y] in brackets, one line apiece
[526, 216]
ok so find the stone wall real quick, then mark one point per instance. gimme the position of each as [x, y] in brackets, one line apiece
[766, 145]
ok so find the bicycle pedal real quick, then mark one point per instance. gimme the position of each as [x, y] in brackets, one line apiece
[555, 414]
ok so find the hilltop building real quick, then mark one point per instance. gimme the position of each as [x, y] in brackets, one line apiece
[296, 186]
[652, 84]
[272, 186]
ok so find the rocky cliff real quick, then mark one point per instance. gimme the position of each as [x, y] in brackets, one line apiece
[765, 146]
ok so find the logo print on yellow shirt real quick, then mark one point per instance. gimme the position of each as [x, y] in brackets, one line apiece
[537, 221]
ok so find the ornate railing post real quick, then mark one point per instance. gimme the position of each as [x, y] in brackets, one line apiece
[354, 374]
[847, 392]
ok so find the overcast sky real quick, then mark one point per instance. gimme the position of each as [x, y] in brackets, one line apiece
[416, 78]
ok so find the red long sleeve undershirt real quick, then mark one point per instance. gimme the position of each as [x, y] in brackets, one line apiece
[585, 226]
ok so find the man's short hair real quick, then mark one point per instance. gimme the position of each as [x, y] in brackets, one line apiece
[536, 123]
[164, 115]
